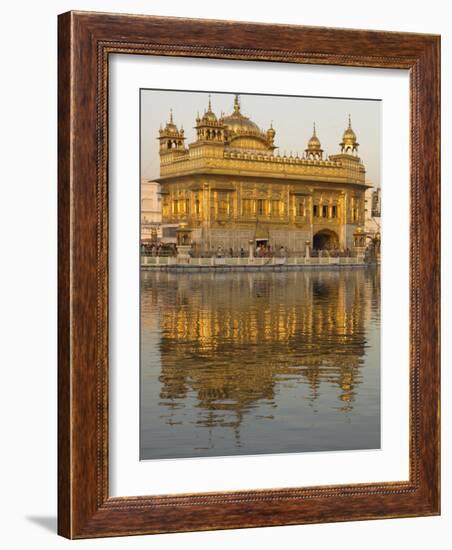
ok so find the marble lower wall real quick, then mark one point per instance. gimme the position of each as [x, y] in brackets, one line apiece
[292, 239]
[211, 239]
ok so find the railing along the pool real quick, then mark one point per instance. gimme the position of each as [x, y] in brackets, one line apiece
[213, 262]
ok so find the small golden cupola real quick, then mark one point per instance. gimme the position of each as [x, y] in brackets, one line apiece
[314, 150]
[349, 143]
[209, 128]
[209, 115]
[171, 137]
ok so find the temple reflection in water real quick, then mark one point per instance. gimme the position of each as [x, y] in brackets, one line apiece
[259, 362]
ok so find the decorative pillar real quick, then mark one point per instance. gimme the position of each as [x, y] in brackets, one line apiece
[307, 253]
[251, 249]
[359, 242]
[183, 243]
[377, 245]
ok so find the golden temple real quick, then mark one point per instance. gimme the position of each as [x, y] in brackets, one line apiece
[231, 188]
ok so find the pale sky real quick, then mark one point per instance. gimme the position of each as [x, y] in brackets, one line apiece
[292, 117]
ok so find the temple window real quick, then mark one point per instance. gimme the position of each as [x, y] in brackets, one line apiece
[223, 204]
[325, 211]
[187, 205]
[300, 208]
[315, 210]
[260, 207]
[334, 211]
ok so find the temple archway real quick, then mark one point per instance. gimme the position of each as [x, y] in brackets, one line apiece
[326, 240]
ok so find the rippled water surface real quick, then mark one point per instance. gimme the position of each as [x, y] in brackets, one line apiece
[251, 363]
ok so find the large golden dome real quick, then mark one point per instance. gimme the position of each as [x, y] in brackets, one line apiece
[240, 124]
[243, 133]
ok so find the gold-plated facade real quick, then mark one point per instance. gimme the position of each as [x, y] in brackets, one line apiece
[231, 188]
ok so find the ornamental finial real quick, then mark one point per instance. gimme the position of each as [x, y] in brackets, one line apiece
[236, 104]
[171, 115]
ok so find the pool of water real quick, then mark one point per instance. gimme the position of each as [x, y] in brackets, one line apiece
[248, 363]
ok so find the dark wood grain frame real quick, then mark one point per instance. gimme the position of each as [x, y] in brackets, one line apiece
[85, 42]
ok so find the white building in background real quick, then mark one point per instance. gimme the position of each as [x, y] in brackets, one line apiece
[151, 210]
[372, 223]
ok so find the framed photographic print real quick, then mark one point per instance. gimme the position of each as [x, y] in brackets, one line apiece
[248, 275]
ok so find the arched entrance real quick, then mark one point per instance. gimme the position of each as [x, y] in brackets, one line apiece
[325, 240]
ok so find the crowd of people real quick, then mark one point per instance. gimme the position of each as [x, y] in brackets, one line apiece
[158, 249]
[262, 250]
[333, 253]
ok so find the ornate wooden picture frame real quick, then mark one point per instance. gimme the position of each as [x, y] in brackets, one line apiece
[86, 41]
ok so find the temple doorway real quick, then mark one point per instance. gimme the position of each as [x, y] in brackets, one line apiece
[326, 240]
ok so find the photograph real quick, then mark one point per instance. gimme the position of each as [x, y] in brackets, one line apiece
[260, 274]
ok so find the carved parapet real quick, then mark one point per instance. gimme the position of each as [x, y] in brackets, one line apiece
[264, 164]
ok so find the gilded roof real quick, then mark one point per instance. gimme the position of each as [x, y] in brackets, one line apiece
[238, 123]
